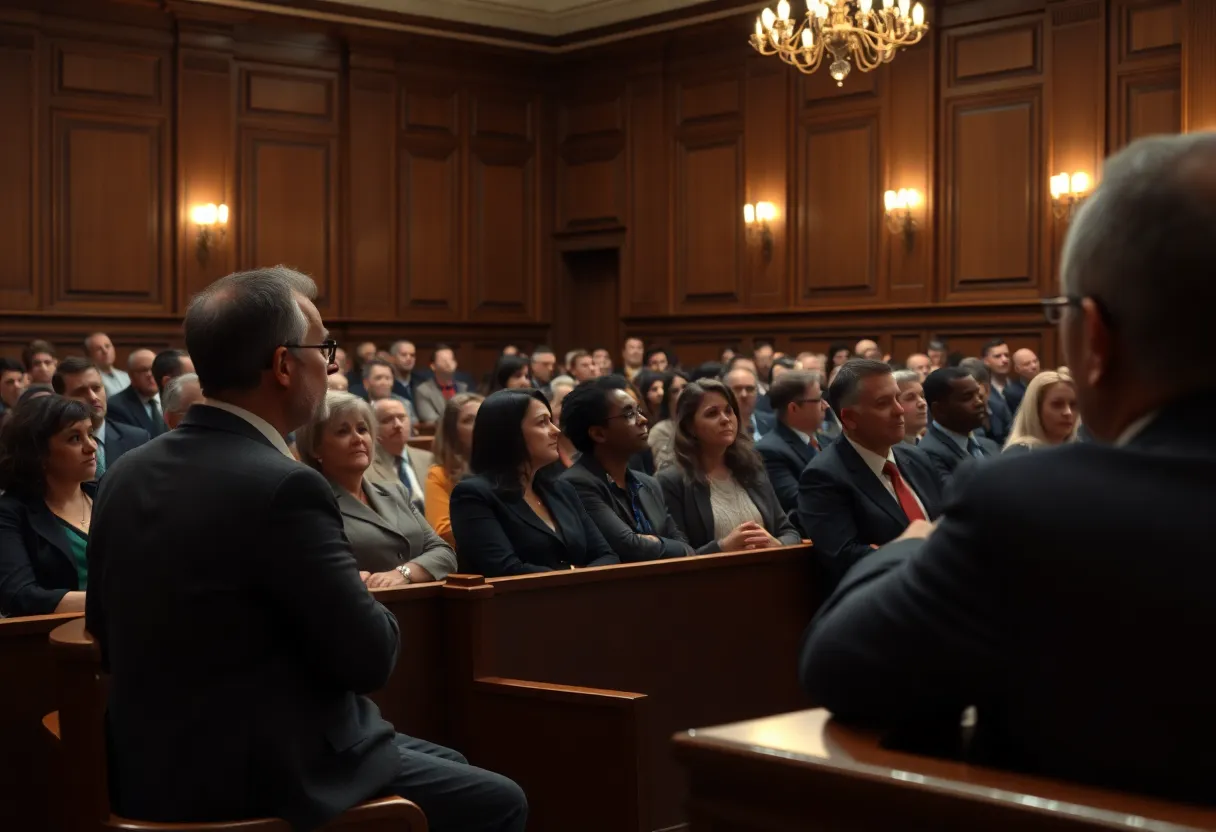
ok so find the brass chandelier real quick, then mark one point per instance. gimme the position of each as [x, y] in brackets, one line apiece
[870, 36]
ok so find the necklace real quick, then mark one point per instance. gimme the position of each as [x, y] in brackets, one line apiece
[86, 514]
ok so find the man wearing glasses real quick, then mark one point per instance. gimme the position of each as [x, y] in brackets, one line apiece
[799, 405]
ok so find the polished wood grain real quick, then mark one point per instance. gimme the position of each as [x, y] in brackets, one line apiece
[19, 268]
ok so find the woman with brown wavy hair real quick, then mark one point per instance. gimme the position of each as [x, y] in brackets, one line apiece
[718, 491]
[453, 445]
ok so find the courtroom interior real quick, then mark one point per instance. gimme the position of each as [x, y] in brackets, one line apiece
[607, 415]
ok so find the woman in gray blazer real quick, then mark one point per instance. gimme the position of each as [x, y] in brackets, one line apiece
[392, 542]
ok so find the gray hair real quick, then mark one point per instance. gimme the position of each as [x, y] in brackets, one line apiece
[561, 381]
[396, 345]
[845, 387]
[977, 369]
[171, 396]
[337, 405]
[234, 325]
[907, 376]
[1142, 246]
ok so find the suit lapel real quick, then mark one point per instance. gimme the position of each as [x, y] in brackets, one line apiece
[912, 476]
[945, 439]
[804, 451]
[380, 506]
[43, 521]
[705, 508]
[868, 483]
[650, 507]
[521, 508]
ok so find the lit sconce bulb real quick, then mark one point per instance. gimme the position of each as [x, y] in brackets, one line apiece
[904, 7]
[783, 9]
[204, 214]
[911, 197]
[221, 214]
[808, 38]
[918, 15]
[890, 201]
[765, 211]
[1080, 183]
[749, 213]
[1059, 185]
[768, 17]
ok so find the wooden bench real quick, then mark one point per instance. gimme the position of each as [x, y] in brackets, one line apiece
[573, 682]
[414, 700]
[801, 770]
[422, 443]
[27, 692]
[80, 732]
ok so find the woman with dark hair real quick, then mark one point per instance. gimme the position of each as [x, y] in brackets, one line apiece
[511, 372]
[717, 491]
[838, 354]
[663, 427]
[650, 386]
[506, 519]
[452, 449]
[48, 464]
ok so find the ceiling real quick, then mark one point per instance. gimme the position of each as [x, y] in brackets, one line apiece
[540, 17]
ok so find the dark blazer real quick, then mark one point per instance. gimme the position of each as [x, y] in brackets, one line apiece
[127, 408]
[121, 438]
[1055, 638]
[1015, 391]
[946, 455]
[500, 535]
[37, 567]
[845, 509]
[389, 531]
[590, 481]
[785, 455]
[238, 634]
[765, 422]
[1000, 418]
[688, 501]
[400, 388]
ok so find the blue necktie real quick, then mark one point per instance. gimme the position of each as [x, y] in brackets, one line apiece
[402, 473]
[974, 448]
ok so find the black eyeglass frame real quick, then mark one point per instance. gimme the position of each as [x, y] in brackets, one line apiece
[329, 345]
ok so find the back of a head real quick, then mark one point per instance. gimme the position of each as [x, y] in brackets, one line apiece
[1141, 245]
[938, 384]
[499, 449]
[975, 368]
[167, 363]
[234, 326]
[710, 369]
[171, 396]
[845, 388]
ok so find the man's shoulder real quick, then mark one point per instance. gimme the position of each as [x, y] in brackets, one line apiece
[579, 474]
[127, 431]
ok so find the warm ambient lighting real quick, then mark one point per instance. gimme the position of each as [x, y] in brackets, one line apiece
[757, 218]
[898, 206]
[869, 37]
[212, 222]
[1068, 191]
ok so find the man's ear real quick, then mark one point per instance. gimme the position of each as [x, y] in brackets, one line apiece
[598, 434]
[280, 366]
[1097, 343]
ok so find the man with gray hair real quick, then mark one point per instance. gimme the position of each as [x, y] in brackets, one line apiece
[1084, 610]
[238, 632]
[179, 394]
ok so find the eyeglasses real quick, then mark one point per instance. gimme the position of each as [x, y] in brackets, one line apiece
[329, 349]
[630, 415]
[808, 401]
[1053, 308]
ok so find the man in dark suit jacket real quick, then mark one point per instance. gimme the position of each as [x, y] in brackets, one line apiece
[745, 384]
[605, 425]
[868, 485]
[1068, 629]
[799, 405]
[956, 402]
[77, 378]
[240, 650]
[139, 404]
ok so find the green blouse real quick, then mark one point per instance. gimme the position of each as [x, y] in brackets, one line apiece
[79, 541]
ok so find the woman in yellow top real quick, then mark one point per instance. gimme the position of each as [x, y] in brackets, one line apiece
[453, 442]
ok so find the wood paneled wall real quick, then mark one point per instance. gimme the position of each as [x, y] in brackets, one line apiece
[460, 192]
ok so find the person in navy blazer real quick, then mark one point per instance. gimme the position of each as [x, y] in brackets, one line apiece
[79, 379]
[849, 500]
[131, 405]
[799, 406]
[957, 404]
[507, 518]
[47, 464]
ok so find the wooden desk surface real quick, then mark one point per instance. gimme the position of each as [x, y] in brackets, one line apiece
[812, 743]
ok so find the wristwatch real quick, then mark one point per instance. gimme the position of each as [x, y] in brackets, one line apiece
[404, 569]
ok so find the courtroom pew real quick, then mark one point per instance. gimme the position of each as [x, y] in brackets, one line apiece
[422, 443]
[638, 651]
[27, 692]
[415, 700]
[802, 770]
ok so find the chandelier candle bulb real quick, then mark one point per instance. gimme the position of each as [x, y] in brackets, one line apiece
[904, 7]
[783, 10]
[759, 28]
[808, 39]
[918, 15]
[867, 6]
[768, 17]
[887, 4]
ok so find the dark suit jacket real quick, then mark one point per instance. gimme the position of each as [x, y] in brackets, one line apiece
[689, 503]
[845, 509]
[1067, 630]
[127, 408]
[946, 455]
[785, 455]
[1015, 391]
[589, 480]
[37, 567]
[500, 535]
[1000, 418]
[121, 438]
[400, 389]
[765, 422]
[238, 633]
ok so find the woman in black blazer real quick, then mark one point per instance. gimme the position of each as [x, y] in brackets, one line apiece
[717, 491]
[507, 520]
[48, 461]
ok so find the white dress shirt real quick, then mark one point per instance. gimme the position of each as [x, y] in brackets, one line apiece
[263, 427]
[875, 463]
[115, 381]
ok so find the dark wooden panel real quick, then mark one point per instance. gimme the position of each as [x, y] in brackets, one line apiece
[104, 70]
[985, 53]
[820, 88]
[699, 98]
[910, 147]
[501, 245]
[19, 205]
[1151, 26]
[425, 108]
[646, 274]
[499, 113]
[1146, 103]
[767, 148]
[371, 237]
[839, 196]
[271, 94]
[430, 264]
[709, 220]
[596, 116]
[108, 200]
[591, 194]
[993, 180]
[1199, 67]
[289, 215]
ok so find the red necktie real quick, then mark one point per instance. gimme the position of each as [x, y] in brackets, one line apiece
[907, 500]
[814, 443]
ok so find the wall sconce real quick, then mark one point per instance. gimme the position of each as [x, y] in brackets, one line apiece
[758, 218]
[898, 206]
[1067, 193]
[212, 222]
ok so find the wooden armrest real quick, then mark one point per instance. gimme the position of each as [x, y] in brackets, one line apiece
[385, 814]
[50, 723]
[73, 641]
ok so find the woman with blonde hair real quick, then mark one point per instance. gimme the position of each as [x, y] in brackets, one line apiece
[452, 448]
[1047, 415]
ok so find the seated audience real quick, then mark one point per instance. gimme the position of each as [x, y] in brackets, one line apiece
[839, 354]
[395, 460]
[866, 487]
[12, 383]
[451, 452]
[34, 391]
[1025, 368]
[782, 364]
[430, 395]
[663, 431]
[47, 467]
[169, 364]
[76, 378]
[717, 490]
[559, 388]
[651, 386]
[510, 372]
[632, 353]
[506, 519]
[867, 349]
[920, 364]
[608, 428]
[40, 361]
[388, 536]
[743, 382]
[998, 421]
[1001, 395]
[580, 366]
[912, 400]
[799, 406]
[938, 352]
[544, 365]
[339, 382]
[660, 360]
[139, 404]
[1068, 630]
[100, 350]
[1048, 415]
[182, 392]
[957, 405]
